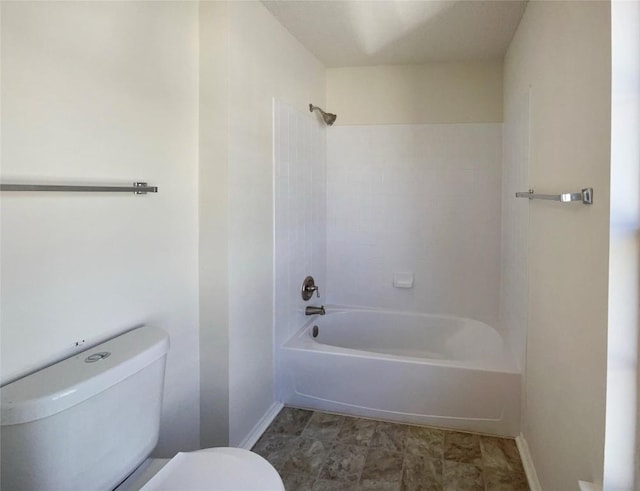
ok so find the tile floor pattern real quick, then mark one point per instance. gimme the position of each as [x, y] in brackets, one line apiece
[319, 451]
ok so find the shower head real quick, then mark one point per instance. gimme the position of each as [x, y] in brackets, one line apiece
[328, 118]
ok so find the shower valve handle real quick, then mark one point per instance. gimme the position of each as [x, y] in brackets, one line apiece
[308, 287]
[313, 288]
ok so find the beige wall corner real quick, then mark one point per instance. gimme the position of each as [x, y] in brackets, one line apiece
[265, 61]
[469, 92]
[213, 221]
[570, 118]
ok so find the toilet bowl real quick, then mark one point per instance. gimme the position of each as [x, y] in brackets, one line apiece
[223, 468]
[93, 419]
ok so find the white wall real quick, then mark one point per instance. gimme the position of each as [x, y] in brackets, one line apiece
[415, 198]
[621, 441]
[213, 212]
[265, 61]
[102, 93]
[562, 50]
[300, 217]
[465, 92]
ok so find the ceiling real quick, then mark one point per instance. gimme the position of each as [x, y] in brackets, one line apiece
[393, 32]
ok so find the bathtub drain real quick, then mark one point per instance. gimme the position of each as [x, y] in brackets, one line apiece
[314, 331]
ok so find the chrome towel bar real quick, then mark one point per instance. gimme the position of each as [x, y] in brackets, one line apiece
[137, 188]
[586, 196]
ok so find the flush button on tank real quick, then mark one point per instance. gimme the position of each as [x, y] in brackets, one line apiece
[97, 357]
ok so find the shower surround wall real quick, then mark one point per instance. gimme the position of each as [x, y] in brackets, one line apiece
[421, 198]
[300, 216]
[515, 224]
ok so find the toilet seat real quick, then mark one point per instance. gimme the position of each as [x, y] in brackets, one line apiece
[224, 468]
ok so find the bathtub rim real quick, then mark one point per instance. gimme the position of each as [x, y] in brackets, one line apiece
[301, 340]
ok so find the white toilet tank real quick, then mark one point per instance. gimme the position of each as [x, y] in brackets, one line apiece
[86, 422]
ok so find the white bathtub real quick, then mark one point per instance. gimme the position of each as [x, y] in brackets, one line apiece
[413, 368]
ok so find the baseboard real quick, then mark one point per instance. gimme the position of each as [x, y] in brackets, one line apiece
[250, 440]
[588, 486]
[527, 463]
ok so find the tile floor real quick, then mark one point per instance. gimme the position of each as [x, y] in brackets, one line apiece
[319, 451]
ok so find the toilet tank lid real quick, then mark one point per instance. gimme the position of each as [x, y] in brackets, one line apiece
[79, 377]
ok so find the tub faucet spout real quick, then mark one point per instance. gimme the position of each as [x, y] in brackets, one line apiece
[311, 310]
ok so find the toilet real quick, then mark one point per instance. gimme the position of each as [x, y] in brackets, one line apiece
[91, 421]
